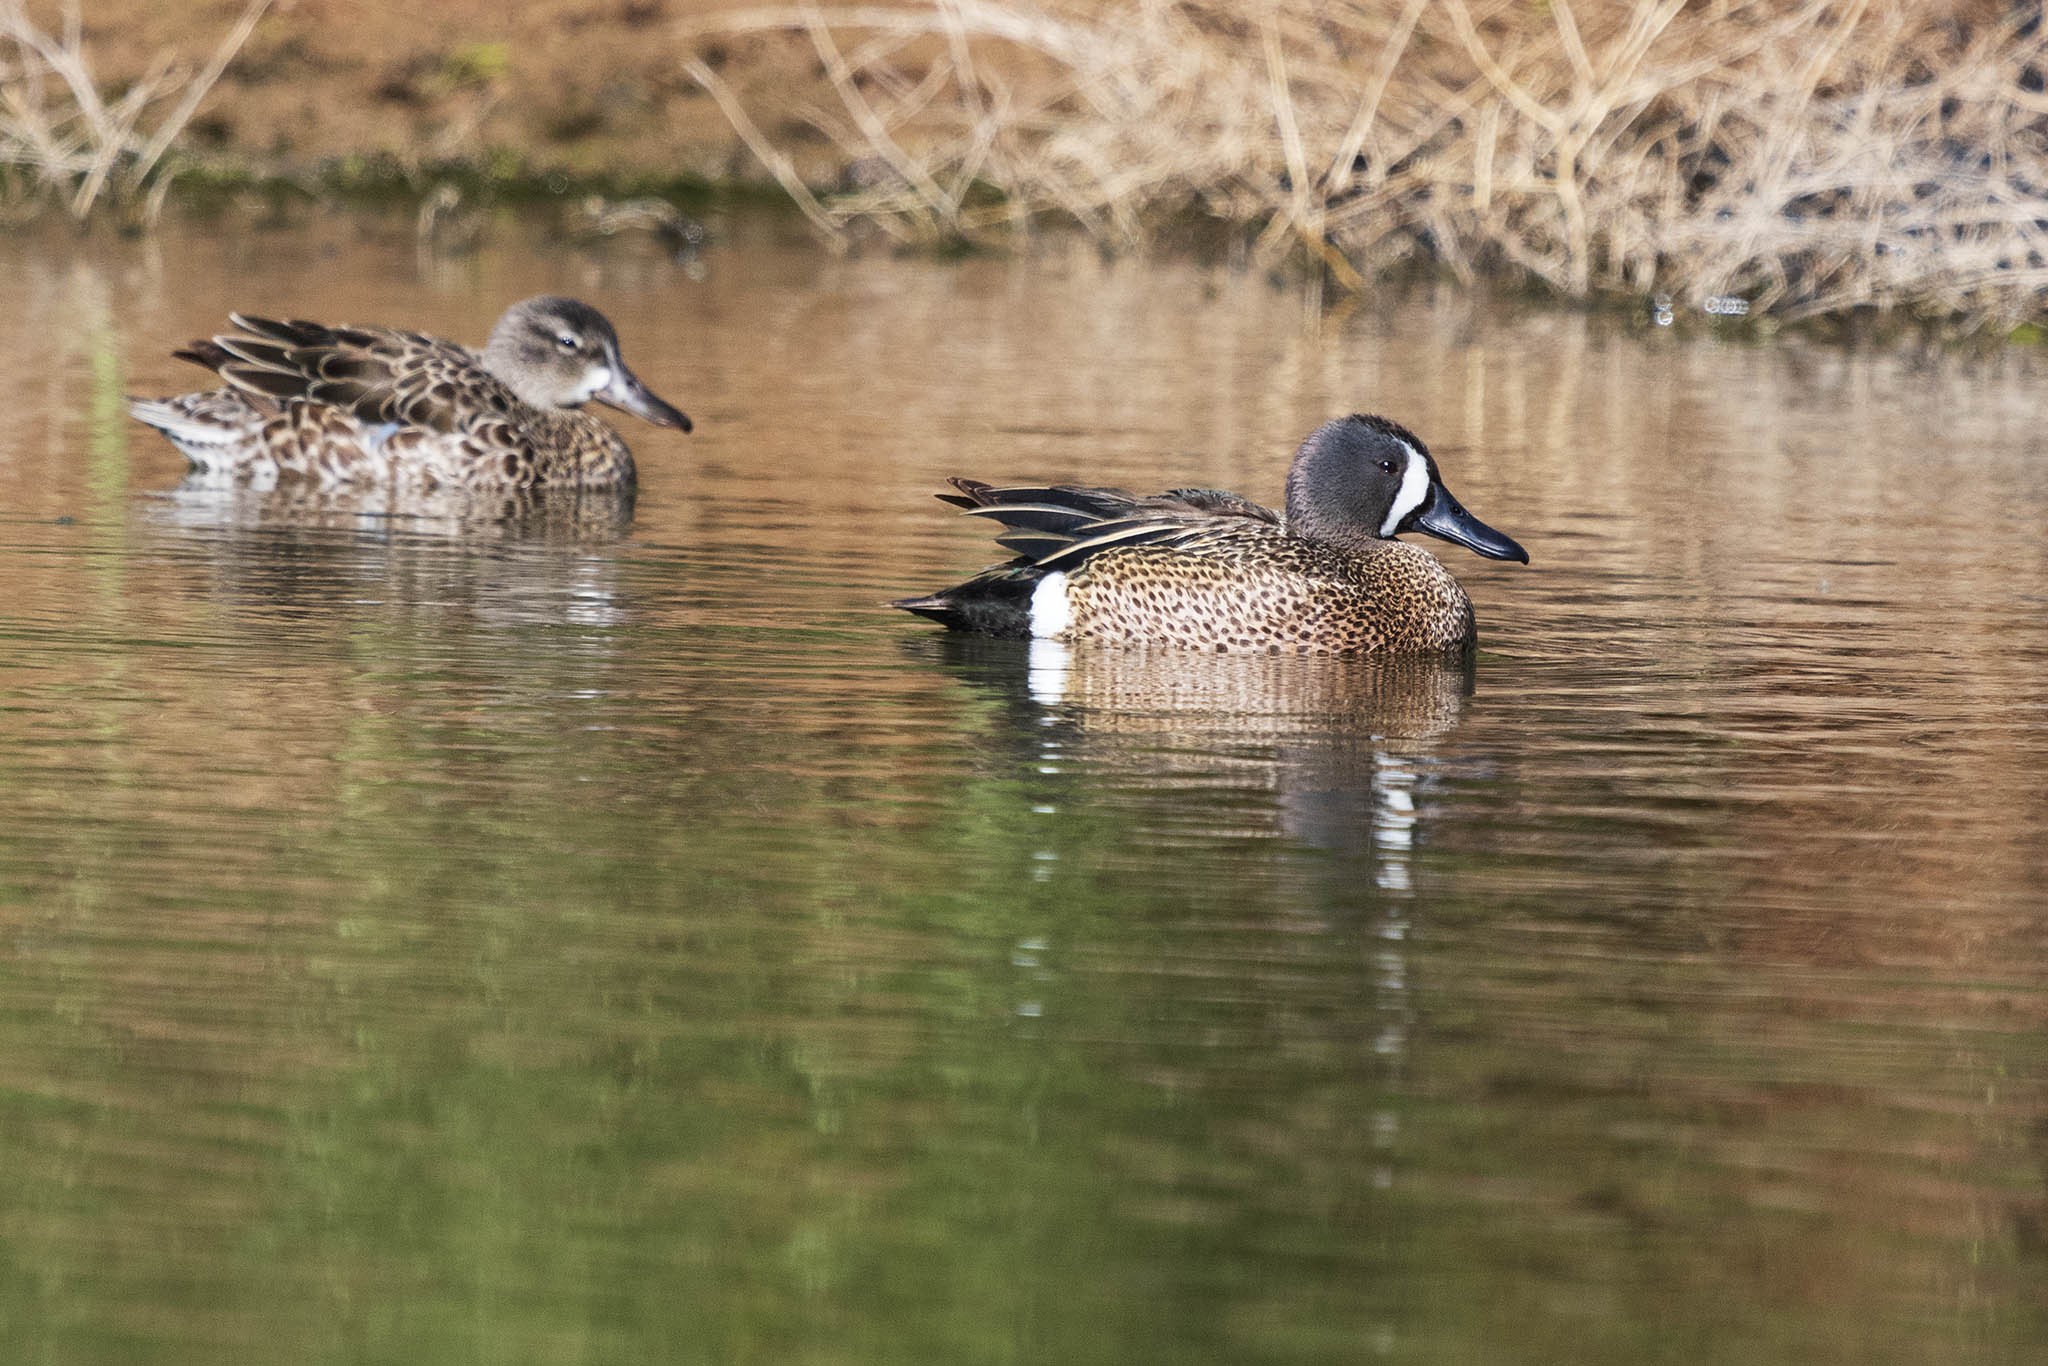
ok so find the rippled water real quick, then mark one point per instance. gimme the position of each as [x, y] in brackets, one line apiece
[607, 934]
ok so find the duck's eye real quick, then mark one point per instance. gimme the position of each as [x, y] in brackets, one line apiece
[1387, 466]
[566, 340]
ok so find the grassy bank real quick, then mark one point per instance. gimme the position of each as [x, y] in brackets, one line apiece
[1797, 157]
[1792, 158]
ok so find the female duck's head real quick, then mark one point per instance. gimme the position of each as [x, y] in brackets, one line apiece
[562, 353]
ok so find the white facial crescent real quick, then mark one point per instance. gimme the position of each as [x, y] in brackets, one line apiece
[1413, 493]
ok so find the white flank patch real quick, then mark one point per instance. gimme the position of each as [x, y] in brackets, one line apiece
[595, 382]
[1051, 613]
[1414, 489]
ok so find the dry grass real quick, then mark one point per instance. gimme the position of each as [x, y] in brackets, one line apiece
[1807, 156]
[65, 140]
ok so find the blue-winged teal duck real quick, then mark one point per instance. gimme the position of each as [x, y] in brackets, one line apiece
[373, 405]
[1214, 571]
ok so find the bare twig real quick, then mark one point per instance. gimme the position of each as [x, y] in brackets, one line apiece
[196, 89]
[778, 165]
[54, 123]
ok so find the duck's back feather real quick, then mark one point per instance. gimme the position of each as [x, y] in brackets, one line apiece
[378, 375]
[1060, 526]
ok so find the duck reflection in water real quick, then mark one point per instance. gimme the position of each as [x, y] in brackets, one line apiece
[570, 517]
[505, 557]
[1288, 746]
[1334, 761]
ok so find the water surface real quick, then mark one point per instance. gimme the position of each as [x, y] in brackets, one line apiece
[606, 934]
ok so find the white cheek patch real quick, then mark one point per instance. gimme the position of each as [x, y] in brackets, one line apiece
[1051, 612]
[595, 381]
[1414, 491]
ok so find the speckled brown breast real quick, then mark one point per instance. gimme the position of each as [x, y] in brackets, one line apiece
[1258, 589]
[536, 448]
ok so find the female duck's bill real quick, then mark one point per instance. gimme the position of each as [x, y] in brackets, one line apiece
[622, 389]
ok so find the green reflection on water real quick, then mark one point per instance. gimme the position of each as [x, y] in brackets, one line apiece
[527, 1074]
[585, 1044]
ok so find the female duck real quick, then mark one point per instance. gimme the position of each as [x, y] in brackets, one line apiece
[1214, 571]
[374, 405]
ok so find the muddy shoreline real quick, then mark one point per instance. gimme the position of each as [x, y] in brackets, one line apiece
[352, 94]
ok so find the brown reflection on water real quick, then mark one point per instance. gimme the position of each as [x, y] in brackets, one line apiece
[1817, 572]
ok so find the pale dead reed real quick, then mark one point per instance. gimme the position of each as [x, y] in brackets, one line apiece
[64, 140]
[1801, 156]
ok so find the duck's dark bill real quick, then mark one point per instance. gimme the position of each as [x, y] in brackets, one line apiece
[628, 394]
[1443, 517]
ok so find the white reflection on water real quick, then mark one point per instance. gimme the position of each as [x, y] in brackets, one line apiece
[1046, 673]
[1394, 818]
